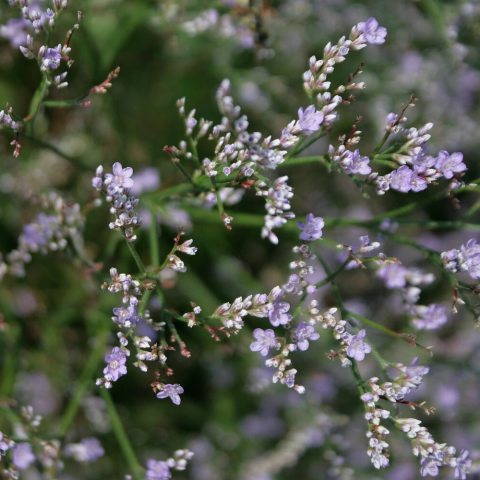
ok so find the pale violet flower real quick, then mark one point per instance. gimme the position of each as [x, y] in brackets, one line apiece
[303, 333]
[312, 228]
[172, 391]
[264, 341]
[309, 120]
[22, 456]
[357, 347]
[372, 31]
[157, 470]
[450, 164]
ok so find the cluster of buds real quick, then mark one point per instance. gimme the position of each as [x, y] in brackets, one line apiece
[116, 188]
[50, 231]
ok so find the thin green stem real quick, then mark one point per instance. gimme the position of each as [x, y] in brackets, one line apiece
[84, 384]
[136, 257]
[121, 436]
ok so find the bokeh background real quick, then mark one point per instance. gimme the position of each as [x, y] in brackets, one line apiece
[231, 416]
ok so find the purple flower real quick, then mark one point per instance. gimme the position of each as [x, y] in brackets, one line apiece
[38, 234]
[147, 180]
[312, 228]
[22, 456]
[120, 178]
[354, 163]
[126, 316]
[357, 348]
[88, 450]
[429, 466]
[278, 314]
[422, 163]
[157, 470]
[5, 444]
[303, 333]
[51, 58]
[394, 275]
[401, 179]
[171, 390]
[462, 465]
[372, 31]
[16, 31]
[265, 340]
[470, 253]
[431, 317]
[116, 367]
[309, 120]
[450, 164]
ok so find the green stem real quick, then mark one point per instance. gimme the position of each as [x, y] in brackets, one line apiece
[121, 435]
[136, 257]
[36, 101]
[84, 384]
[153, 239]
[296, 161]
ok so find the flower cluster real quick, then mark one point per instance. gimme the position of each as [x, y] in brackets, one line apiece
[51, 231]
[465, 259]
[408, 281]
[161, 469]
[116, 188]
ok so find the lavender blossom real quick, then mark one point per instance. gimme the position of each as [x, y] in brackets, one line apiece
[450, 164]
[15, 31]
[265, 340]
[394, 275]
[405, 179]
[312, 228]
[50, 57]
[429, 466]
[171, 390]
[116, 367]
[309, 120]
[303, 333]
[431, 317]
[157, 470]
[22, 456]
[119, 179]
[466, 259]
[357, 347]
[462, 465]
[278, 315]
[126, 316]
[86, 451]
[5, 444]
[374, 33]
[355, 164]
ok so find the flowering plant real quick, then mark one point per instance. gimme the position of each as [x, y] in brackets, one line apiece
[157, 327]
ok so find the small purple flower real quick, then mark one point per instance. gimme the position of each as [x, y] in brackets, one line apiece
[422, 163]
[462, 465]
[450, 164]
[116, 367]
[171, 390]
[429, 466]
[309, 120]
[372, 31]
[157, 470]
[303, 333]
[265, 340]
[357, 348]
[51, 58]
[394, 275]
[278, 314]
[22, 456]
[312, 228]
[401, 179]
[353, 163]
[16, 31]
[88, 450]
[5, 444]
[431, 317]
[120, 178]
[146, 180]
[126, 316]
[470, 253]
